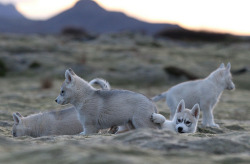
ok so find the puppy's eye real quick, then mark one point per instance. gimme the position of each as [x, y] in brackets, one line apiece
[188, 122]
[179, 120]
[62, 92]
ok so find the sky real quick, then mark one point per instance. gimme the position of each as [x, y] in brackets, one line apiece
[231, 16]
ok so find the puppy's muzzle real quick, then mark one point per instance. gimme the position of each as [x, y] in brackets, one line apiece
[180, 129]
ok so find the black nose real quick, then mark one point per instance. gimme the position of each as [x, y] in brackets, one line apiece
[56, 100]
[180, 129]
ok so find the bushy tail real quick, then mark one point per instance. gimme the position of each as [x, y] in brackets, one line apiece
[159, 97]
[103, 83]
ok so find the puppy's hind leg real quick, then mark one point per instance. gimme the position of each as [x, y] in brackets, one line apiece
[113, 130]
[144, 123]
[208, 118]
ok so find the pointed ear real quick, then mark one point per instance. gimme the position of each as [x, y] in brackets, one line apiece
[228, 66]
[196, 111]
[181, 106]
[222, 65]
[16, 118]
[69, 76]
[17, 113]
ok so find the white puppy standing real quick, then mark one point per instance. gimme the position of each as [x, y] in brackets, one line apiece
[101, 109]
[206, 92]
[184, 121]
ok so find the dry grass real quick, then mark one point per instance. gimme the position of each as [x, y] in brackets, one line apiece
[120, 59]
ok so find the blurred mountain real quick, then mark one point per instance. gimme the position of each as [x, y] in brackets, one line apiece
[86, 14]
[12, 21]
[9, 12]
[90, 16]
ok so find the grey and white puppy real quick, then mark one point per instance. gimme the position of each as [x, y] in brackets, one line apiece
[184, 121]
[101, 109]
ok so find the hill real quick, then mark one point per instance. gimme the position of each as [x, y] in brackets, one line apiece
[9, 12]
[12, 21]
[86, 14]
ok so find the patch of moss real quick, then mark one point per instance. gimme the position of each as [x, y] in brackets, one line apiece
[234, 127]
[209, 130]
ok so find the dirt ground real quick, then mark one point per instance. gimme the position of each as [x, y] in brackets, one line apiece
[130, 62]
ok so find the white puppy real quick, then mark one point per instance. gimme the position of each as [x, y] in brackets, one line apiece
[101, 109]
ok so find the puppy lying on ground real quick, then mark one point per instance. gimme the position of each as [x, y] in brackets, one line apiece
[184, 121]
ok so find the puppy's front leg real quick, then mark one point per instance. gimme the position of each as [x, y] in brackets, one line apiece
[89, 129]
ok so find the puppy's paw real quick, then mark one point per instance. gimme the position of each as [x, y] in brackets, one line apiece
[82, 133]
[215, 126]
[152, 118]
[157, 118]
[113, 130]
[210, 126]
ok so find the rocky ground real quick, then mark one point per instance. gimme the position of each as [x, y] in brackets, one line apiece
[34, 70]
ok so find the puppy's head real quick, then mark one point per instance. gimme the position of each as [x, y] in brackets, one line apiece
[226, 76]
[68, 89]
[19, 128]
[186, 120]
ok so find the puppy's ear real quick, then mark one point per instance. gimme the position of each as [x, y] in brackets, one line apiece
[222, 65]
[69, 76]
[196, 111]
[17, 113]
[228, 66]
[16, 118]
[71, 71]
[181, 106]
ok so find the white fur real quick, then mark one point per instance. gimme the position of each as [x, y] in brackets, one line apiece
[103, 83]
[206, 92]
[184, 115]
[62, 122]
[100, 109]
